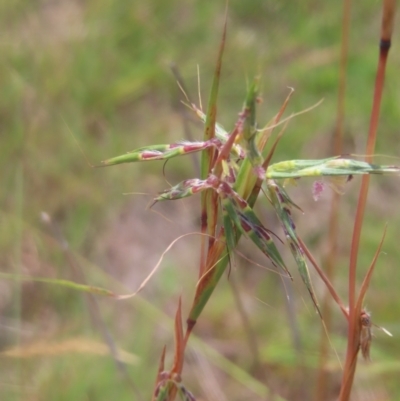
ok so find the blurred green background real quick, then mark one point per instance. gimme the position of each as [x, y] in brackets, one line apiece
[94, 77]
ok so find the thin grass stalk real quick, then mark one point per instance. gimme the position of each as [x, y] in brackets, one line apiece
[182, 110]
[380, 76]
[353, 343]
[324, 278]
[250, 334]
[19, 205]
[326, 307]
[332, 257]
[208, 198]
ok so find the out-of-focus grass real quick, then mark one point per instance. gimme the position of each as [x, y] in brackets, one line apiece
[100, 70]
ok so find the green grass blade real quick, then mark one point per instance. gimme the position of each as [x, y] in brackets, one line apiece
[300, 259]
[326, 167]
[282, 204]
[246, 178]
[159, 152]
[248, 186]
[254, 229]
[217, 262]
[229, 229]
[62, 283]
[163, 391]
[250, 129]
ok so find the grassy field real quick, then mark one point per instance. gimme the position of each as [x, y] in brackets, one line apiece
[94, 78]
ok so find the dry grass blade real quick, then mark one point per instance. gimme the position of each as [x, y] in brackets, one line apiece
[282, 205]
[153, 271]
[179, 341]
[325, 279]
[46, 348]
[368, 276]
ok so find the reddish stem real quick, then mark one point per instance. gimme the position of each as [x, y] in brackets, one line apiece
[353, 342]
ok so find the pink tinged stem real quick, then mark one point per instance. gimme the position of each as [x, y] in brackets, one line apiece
[354, 326]
[379, 82]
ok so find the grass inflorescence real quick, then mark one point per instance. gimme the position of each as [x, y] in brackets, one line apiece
[100, 71]
[235, 167]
